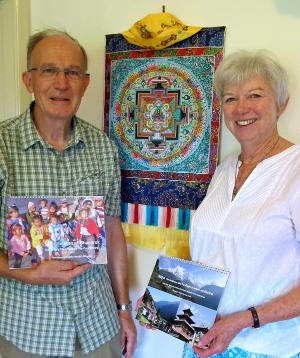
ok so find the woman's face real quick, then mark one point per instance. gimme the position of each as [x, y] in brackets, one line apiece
[250, 111]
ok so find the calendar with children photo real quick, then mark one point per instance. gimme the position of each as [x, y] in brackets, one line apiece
[45, 228]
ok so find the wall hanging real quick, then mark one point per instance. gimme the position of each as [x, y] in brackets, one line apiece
[162, 112]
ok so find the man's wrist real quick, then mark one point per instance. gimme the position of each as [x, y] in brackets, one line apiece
[124, 306]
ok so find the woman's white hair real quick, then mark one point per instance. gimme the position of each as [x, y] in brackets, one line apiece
[242, 65]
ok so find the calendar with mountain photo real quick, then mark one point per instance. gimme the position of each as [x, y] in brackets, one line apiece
[61, 228]
[182, 298]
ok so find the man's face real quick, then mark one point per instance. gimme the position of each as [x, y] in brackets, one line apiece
[58, 97]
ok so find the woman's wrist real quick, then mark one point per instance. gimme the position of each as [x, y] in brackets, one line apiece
[256, 323]
[244, 319]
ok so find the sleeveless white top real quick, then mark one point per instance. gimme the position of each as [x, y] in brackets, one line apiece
[256, 237]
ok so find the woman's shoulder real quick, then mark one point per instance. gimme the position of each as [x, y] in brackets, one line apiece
[228, 163]
[290, 156]
[294, 148]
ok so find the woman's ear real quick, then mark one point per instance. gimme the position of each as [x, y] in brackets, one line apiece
[282, 108]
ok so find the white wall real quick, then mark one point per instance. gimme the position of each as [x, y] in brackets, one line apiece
[271, 24]
[14, 32]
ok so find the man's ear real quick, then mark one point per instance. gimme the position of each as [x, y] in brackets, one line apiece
[86, 82]
[27, 79]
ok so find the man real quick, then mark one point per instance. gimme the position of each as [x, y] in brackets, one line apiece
[58, 306]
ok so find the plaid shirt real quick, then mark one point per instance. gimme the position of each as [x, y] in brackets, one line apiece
[46, 319]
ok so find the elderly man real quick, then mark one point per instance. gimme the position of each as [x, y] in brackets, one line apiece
[60, 308]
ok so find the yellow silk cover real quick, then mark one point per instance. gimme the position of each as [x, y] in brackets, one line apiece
[158, 31]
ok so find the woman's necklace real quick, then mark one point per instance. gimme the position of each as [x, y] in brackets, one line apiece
[237, 187]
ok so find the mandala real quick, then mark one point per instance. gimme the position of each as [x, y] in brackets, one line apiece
[160, 113]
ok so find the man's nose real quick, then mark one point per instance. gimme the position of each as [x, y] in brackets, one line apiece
[61, 80]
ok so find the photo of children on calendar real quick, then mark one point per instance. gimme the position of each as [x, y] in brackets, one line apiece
[46, 228]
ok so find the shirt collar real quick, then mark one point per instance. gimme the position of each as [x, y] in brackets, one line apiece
[29, 135]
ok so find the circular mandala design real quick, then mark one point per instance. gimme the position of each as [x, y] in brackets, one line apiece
[160, 113]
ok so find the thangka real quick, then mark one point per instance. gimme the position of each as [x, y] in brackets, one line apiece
[162, 112]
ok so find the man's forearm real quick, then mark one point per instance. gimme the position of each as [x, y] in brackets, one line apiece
[117, 267]
[117, 259]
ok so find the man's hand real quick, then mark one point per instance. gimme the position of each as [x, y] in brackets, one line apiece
[217, 339]
[128, 333]
[53, 272]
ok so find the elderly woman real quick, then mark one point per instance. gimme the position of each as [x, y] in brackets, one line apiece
[249, 222]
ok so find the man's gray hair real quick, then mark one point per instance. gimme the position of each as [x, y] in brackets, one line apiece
[243, 65]
[37, 37]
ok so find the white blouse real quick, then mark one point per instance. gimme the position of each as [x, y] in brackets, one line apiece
[256, 237]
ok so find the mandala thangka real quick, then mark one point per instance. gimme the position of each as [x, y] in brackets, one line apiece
[162, 112]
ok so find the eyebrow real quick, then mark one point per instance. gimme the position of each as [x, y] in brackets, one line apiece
[55, 65]
[250, 90]
[257, 89]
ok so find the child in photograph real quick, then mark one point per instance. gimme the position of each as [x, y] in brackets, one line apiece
[67, 227]
[93, 214]
[44, 210]
[79, 205]
[99, 207]
[31, 212]
[57, 236]
[53, 209]
[15, 218]
[88, 232]
[19, 246]
[65, 209]
[40, 241]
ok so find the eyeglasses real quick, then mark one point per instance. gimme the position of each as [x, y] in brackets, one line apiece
[50, 72]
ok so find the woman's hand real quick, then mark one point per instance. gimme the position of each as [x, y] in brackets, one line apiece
[137, 306]
[217, 339]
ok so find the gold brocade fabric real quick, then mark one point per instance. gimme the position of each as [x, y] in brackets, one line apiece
[158, 31]
[175, 242]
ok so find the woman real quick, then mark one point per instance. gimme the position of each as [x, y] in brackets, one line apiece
[249, 222]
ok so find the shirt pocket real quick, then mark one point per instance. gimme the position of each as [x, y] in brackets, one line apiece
[91, 184]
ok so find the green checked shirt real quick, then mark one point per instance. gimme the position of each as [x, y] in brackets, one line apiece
[46, 319]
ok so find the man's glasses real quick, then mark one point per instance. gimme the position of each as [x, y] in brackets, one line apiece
[50, 72]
